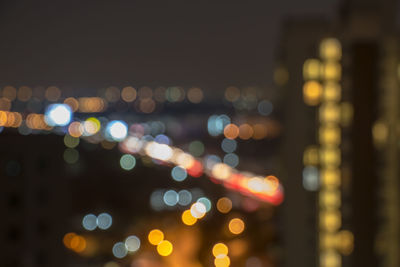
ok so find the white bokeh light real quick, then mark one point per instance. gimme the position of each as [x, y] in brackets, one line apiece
[117, 130]
[132, 243]
[58, 115]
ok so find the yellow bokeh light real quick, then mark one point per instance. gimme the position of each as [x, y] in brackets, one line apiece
[330, 199]
[330, 258]
[222, 261]
[330, 156]
[91, 126]
[165, 248]
[128, 94]
[10, 119]
[155, 237]
[220, 249]
[327, 240]
[330, 49]
[224, 205]
[380, 133]
[345, 242]
[231, 131]
[311, 69]
[187, 218]
[332, 71]
[332, 91]
[329, 134]
[3, 118]
[330, 178]
[329, 112]
[236, 226]
[330, 220]
[312, 92]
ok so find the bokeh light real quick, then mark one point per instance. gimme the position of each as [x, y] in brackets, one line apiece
[220, 249]
[224, 205]
[178, 173]
[127, 162]
[187, 218]
[231, 159]
[231, 131]
[58, 115]
[71, 141]
[128, 94]
[104, 221]
[196, 148]
[195, 95]
[71, 155]
[117, 130]
[198, 210]
[184, 197]
[232, 94]
[89, 222]
[119, 250]
[164, 248]
[206, 202]
[265, 107]
[171, 198]
[228, 145]
[155, 237]
[222, 261]
[236, 226]
[132, 243]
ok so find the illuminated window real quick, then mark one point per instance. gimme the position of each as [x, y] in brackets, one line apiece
[312, 92]
[311, 69]
[330, 49]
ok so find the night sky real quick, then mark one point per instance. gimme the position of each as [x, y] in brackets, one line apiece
[88, 44]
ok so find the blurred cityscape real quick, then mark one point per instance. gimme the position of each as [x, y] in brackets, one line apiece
[300, 173]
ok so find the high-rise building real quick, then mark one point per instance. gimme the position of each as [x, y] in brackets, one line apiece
[354, 130]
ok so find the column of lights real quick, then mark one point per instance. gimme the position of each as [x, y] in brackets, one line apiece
[322, 87]
[329, 137]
